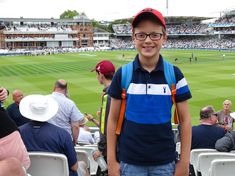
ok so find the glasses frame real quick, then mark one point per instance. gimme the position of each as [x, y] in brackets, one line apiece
[148, 35]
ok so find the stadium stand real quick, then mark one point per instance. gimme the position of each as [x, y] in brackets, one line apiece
[194, 157]
[205, 160]
[28, 33]
[221, 167]
[89, 150]
[29, 36]
[41, 160]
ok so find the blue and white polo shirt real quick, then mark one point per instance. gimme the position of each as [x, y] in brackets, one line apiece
[146, 137]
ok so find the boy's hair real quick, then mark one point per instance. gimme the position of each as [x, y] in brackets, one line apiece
[108, 75]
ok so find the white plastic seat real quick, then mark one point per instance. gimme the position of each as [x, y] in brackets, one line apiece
[222, 167]
[194, 157]
[93, 163]
[83, 156]
[48, 164]
[205, 159]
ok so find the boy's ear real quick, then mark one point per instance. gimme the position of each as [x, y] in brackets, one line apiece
[132, 36]
[164, 38]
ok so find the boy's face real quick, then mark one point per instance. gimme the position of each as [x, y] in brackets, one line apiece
[149, 48]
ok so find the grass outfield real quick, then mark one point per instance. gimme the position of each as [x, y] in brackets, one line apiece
[211, 78]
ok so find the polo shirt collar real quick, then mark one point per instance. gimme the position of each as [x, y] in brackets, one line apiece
[159, 65]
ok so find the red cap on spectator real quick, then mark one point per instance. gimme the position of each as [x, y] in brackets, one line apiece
[151, 12]
[104, 67]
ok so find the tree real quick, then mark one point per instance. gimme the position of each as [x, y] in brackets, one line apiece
[69, 14]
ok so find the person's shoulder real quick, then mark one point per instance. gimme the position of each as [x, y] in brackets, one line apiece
[11, 106]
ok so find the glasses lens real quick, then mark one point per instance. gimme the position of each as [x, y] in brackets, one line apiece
[155, 36]
[140, 36]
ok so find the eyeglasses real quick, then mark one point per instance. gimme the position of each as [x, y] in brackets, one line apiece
[154, 36]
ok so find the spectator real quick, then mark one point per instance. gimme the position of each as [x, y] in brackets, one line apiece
[13, 109]
[39, 135]
[68, 115]
[85, 135]
[146, 143]
[208, 132]
[104, 74]
[224, 118]
[226, 143]
[11, 144]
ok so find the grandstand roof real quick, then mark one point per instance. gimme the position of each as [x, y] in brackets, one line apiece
[183, 19]
[44, 20]
[99, 30]
[229, 13]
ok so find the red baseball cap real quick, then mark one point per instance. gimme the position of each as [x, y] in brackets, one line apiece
[151, 12]
[104, 67]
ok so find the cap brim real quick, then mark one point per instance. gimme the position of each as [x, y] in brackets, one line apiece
[93, 69]
[232, 115]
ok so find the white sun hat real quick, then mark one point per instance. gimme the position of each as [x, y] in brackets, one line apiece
[232, 115]
[38, 107]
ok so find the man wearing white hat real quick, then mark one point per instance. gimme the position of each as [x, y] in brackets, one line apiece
[39, 135]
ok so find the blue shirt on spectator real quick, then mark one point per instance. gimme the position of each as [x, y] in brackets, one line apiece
[46, 137]
[14, 112]
[205, 136]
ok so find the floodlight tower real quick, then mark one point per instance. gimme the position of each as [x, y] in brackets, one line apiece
[167, 7]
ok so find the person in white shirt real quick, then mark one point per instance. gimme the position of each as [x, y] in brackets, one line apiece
[85, 135]
[68, 115]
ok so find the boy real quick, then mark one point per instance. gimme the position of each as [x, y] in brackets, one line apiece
[146, 144]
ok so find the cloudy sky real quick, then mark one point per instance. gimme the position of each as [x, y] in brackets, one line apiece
[111, 9]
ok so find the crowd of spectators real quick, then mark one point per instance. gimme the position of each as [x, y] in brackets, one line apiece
[38, 28]
[208, 43]
[187, 29]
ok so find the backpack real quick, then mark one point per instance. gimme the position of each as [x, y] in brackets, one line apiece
[127, 72]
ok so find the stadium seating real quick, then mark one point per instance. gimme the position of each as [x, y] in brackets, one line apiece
[89, 150]
[83, 156]
[205, 160]
[222, 167]
[48, 164]
[194, 157]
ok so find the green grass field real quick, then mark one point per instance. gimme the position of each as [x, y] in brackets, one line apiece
[211, 78]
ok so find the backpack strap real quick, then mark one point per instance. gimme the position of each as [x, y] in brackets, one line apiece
[171, 81]
[127, 71]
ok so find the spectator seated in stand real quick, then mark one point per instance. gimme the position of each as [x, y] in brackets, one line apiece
[39, 135]
[208, 132]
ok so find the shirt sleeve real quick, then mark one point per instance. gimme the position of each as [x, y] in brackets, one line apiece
[115, 87]
[182, 89]
[76, 114]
